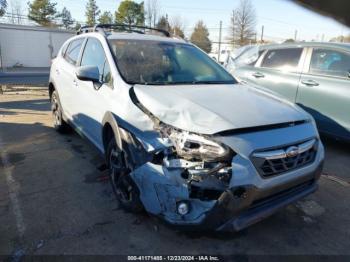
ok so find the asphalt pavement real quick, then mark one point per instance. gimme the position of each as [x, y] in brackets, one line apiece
[55, 198]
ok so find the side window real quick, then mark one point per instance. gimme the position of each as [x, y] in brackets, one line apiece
[94, 55]
[64, 49]
[329, 62]
[73, 50]
[283, 59]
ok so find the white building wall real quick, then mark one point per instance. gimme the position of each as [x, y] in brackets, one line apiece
[30, 46]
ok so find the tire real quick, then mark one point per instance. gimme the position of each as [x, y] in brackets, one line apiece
[125, 189]
[58, 123]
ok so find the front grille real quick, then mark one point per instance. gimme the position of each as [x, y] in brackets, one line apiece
[280, 160]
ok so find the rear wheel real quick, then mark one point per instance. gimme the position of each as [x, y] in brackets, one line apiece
[123, 186]
[58, 123]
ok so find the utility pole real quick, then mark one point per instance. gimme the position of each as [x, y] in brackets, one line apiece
[167, 22]
[233, 29]
[342, 36]
[220, 41]
[295, 35]
[262, 34]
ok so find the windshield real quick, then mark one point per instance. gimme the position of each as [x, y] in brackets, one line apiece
[164, 63]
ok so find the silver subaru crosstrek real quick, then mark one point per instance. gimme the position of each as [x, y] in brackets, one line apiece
[182, 138]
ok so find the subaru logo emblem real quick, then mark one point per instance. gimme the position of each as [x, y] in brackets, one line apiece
[292, 151]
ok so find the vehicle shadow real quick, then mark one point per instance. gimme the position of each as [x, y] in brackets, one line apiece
[327, 126]
[332, 143]
[35, 105]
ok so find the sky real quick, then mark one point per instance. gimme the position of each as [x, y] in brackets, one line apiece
[280, 18]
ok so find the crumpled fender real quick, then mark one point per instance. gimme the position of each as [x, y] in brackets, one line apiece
[110, 119]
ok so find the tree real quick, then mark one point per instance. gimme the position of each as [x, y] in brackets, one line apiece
[177, 31]
[341, 39]
[243, 23]
[66, 18]
[289, 40]
[91, 12]
[152, 12]
[77, 26]
[130, 13]
[200, 37]
[15, 16]
[43, 12]
[106, 18]
[176, 27]
[3, 6]
[163, 23]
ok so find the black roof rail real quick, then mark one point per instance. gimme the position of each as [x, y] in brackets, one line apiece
[122, 27]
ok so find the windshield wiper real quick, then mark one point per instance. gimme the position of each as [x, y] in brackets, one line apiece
[189, 83]
[212, 82]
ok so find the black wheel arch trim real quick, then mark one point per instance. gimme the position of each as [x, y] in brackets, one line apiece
[124, 136]
[110, 120]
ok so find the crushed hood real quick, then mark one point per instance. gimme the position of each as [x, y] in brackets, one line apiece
[209, 109]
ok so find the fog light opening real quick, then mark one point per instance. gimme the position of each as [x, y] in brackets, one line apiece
[183, 208]
[240, 192]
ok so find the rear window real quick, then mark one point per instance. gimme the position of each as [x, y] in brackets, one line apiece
[283, 59]
[73, 50]
[64, 49]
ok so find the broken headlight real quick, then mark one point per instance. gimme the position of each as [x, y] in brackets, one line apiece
[193, 146]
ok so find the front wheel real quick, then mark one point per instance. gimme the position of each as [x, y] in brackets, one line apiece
[123, 186]
[58, 123]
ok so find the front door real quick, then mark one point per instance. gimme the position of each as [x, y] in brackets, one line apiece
[279, 70]
[94, 98]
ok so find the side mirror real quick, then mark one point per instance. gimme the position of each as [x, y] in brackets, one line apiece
[88, 73]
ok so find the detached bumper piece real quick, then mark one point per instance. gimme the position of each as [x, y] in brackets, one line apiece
[266, 207]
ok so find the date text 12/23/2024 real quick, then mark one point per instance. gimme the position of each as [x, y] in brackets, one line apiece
[174, 258]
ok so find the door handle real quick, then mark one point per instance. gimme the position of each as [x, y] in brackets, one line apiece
[310, 83]
[57, 71]
[75, 83]
[258, 75]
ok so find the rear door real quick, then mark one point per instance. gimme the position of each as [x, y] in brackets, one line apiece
[67, 78]
[324, 89]
[279, 70]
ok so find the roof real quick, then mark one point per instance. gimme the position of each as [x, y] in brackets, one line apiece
[146, 37]
[344, 46]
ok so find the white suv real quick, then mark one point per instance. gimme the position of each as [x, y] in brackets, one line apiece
[182, 138]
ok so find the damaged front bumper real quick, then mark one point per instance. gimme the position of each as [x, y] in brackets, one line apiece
[247, 198]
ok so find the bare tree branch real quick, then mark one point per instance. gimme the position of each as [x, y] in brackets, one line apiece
[153, 9]
[177, 26]
[243, 23]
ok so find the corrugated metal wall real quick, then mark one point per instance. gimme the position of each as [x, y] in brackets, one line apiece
[29, 46]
